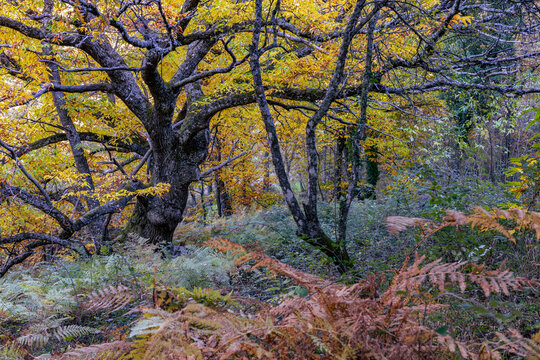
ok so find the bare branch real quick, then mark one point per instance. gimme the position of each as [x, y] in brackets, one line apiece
[50, 239]
[141, 163]
[117, 144]
[223, 164]
[205, 74]
[25, 172]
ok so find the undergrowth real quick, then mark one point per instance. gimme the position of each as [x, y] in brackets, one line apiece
[45, 307]
[331, 321]
[414, 293]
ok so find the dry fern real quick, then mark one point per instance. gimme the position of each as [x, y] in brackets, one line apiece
[485, 221]
[397, 224]
[106, 351]
[524, 219]
[516, 344]
[197, 332]
[339, 321]
[441, 275]
[110, 297]
[225, 245]
[310, 281]
[480, 218]
[334, 321]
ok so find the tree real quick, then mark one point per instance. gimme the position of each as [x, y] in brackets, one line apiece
[146, 78]
[425, 64]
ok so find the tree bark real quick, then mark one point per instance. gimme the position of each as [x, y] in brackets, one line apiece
[223, 199]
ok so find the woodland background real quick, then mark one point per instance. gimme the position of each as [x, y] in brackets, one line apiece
[277, 179]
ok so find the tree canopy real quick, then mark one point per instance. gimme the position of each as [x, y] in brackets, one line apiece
[109, 102]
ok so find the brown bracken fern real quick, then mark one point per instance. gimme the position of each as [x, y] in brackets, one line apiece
[110, 297]
[524, 220]
[105, 351]
[334, 321]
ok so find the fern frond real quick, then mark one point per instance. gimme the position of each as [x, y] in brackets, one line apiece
[68, 332]
[147, 326]
[106, 351]
[486, 221]
[459, 348]
[34, 340]
[197, 332]
[441, 275]
[480, 218]
[516, 344]
[60, 333]
[110, 297]
[225, 245]
[334, 321]
[525, 219]
[310, 281]
[396, 224]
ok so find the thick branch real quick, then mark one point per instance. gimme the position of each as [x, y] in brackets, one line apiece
[12, 261]
[48, 239]
[118, 143]
[39, 203]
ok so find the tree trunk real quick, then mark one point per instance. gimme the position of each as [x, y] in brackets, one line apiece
[225, 208]
[218, 195]
[223, 199]
[306, 217]
[155, 217]
[77, 151]
[372, 171]
[338, 169]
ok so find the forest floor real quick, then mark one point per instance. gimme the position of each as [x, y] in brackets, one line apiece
[44, 308]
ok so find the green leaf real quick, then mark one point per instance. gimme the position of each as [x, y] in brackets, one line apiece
[442, 330]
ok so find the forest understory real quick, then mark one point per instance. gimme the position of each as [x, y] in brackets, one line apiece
[425, 285]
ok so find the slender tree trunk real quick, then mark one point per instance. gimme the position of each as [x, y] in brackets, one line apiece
[218, 195]
[372, 171]
[491, 155]
[203, 206]
[307, 220]
[223, 199]
[359, 136]
[338, 169]
[266, 180]
[76, 146]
